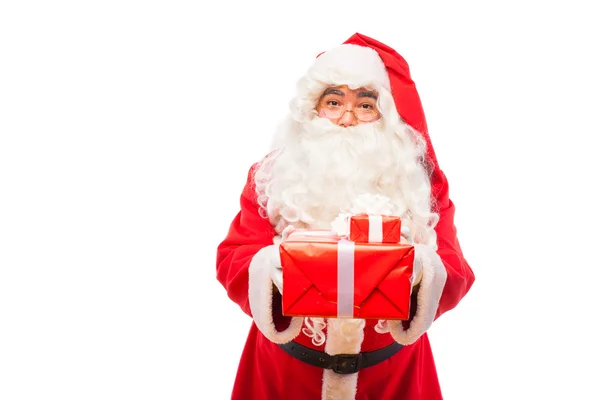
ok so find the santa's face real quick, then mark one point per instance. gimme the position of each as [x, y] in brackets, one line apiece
[346, 107]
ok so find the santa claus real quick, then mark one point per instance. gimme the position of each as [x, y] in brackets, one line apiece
[355, 141]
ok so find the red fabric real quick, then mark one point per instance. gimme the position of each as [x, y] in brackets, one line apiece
[265, 371]
[249, 232]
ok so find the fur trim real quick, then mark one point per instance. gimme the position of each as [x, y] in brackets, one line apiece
[344, 336]
[260, 296]
[428, 298]
[351, 65]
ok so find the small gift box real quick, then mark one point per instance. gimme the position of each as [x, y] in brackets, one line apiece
[366, 228]
[326, 275]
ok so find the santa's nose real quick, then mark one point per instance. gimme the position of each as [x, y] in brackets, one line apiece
[348, 119]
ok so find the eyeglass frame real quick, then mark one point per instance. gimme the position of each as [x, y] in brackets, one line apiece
[377, 114]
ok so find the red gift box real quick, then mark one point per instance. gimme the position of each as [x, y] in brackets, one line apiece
[328, 276]
[375, 228]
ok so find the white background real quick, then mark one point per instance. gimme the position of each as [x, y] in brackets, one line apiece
[126, 132]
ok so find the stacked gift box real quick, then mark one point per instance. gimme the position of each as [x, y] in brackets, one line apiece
[366, 274]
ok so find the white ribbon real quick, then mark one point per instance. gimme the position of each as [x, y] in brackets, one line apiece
[375, 229]
[345, 264]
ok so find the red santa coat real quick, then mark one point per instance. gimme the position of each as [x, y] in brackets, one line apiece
[267, 372]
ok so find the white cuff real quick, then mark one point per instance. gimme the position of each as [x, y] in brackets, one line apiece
[260, 296]
[428, 297]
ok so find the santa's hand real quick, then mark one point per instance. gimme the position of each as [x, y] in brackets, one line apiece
[272, 261]
[417, 274]
[407, 238]
[275, 271]
[277, 278]
[405, 235]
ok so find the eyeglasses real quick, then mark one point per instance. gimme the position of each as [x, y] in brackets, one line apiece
[363, 114]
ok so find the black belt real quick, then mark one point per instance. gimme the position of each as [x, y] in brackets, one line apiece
[340, 363]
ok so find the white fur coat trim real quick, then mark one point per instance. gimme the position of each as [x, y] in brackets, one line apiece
[428, 297]
[260, 295]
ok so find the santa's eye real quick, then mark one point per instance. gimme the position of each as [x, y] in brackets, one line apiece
[333, 103]
[366, 106]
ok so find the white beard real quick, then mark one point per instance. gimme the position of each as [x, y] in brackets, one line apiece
[324, 170]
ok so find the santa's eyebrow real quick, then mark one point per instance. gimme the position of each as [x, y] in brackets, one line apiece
[333, 91]
[372, 95]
